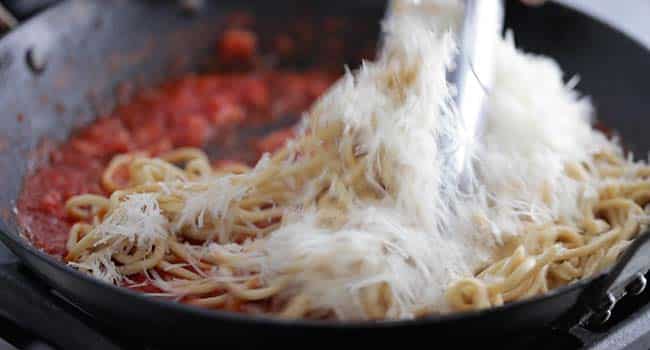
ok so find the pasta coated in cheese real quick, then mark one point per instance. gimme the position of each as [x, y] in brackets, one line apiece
[349, 219]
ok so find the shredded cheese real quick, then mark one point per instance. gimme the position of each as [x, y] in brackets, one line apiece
[395, 108]
[138, 219]
[415, 243]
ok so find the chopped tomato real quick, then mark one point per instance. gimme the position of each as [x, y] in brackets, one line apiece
[190, 131]
[194, 111]
[237, 46]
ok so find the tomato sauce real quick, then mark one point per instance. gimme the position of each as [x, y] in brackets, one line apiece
[204, 110]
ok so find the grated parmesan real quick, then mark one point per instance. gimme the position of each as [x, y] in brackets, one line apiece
[138, 220]
[415, 242]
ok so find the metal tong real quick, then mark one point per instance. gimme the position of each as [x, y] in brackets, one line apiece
[476, 35]
[472, 78]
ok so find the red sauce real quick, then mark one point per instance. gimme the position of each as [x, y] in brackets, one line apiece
[196, 110]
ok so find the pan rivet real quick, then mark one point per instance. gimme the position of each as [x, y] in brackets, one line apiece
[598, 319]
[637, 286]
[607, 303]
[35, 61]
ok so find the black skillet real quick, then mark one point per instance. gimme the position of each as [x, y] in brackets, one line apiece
[62, 68]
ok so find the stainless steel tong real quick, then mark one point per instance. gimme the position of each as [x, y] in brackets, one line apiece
[473, 77]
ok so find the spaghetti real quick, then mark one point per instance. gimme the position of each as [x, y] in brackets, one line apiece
[554, 254]
[547, 256]
[346, 220]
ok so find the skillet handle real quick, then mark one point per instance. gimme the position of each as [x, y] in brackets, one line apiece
[30, 304]
[627, 276]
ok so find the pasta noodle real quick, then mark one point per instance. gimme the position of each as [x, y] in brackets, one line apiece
[555, 255]
[353, 203]
[549, 255]
[174, 182]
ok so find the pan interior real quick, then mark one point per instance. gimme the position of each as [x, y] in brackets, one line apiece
[105, 52]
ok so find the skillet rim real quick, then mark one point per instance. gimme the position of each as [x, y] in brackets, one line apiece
[28, 248]
[17, 239]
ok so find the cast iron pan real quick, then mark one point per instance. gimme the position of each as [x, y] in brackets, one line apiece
[62, 68]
